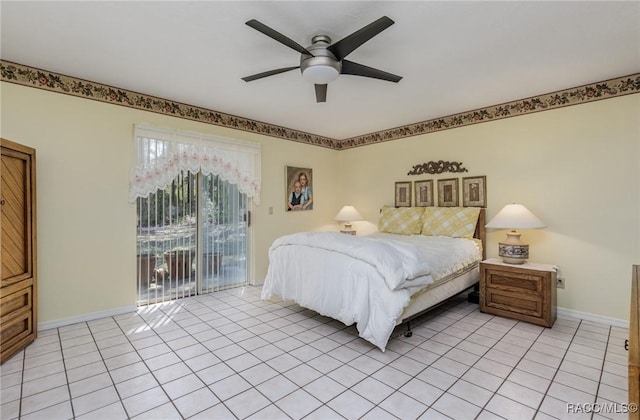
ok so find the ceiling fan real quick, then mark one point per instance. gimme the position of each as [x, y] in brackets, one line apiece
[322, 62]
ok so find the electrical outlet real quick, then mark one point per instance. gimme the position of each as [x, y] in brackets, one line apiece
[560, 282]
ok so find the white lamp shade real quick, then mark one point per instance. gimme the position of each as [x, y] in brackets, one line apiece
[515, 216]
[348, 214]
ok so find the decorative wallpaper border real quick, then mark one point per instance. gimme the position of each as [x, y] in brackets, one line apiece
[43, 79]
[611, 88]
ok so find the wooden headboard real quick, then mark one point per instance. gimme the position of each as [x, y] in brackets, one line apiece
[480, 231]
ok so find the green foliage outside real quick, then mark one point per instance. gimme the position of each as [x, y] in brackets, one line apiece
[167, 219]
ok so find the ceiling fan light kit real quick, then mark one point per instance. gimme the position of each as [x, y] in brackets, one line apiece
[322, 67]
[320, 74]
[322, 62]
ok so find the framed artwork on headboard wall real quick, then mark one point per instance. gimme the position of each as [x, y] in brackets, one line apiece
[403, 194]
[423, 193]
[474, 191]
[448, 192]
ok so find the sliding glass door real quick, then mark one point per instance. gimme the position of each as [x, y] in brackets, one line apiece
[222, 246]
[191, 238]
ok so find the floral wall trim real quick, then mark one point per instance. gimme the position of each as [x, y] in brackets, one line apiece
[578, 95]
[43, 79]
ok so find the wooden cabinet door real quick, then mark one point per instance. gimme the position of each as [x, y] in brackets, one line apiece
[18, 248]
[634, 342]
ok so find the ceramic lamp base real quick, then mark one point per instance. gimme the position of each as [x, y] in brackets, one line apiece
[347, 229]
[513, 250]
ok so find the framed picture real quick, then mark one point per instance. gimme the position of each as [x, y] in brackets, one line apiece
[423, 193]
[448, 192]
[474, 191]
[299, 188]
[403, 194]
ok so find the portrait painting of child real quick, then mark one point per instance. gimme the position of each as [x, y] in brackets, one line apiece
[299, 190]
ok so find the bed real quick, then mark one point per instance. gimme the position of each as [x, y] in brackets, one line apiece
[419, 258]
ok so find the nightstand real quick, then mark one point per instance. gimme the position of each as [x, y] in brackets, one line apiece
[526, 292]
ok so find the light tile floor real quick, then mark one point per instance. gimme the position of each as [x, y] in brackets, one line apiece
[231, 355]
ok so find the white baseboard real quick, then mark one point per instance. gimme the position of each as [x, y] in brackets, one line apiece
[85, 317]
[616, 322]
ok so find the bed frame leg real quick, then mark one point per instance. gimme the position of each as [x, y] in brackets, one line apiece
[474, 296]
[408, 333]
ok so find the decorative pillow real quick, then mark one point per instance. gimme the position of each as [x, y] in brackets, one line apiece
[401, 220]
[456, 222]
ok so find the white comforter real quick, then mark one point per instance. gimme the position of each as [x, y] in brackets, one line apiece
[363, 279]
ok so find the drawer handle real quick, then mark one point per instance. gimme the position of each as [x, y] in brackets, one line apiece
[626, 345]
[2, 202]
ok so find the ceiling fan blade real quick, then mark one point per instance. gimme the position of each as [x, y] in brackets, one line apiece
[268, 73]
[355, 69]
[346, 45]
[321, 93]
[271, 33]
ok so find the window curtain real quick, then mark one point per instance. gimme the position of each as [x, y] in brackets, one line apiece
[161, 153]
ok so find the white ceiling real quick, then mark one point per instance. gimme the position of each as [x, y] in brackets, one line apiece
[453, 56]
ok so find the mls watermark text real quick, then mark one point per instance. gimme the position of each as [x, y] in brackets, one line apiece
[604, 408]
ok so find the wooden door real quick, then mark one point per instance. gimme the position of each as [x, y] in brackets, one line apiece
[18, 248]
[634, 343]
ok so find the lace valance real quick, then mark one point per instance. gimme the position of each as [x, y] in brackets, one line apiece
[161, 153]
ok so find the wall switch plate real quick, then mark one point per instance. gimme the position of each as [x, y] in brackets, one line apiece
[560, 282]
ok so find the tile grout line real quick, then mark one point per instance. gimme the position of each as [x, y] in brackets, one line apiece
[341, 365]
[247, 351]
[604, 360]
[183, 315]
[551, 381]
[428, 317]
[171, 400]
[66, 375]
[221, 360]
[24, 355]
[102, 359]
[113, 383]
[468, 368]
[513, 368]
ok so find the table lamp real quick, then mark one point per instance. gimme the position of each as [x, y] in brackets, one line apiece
[348, 214]
[514, 216]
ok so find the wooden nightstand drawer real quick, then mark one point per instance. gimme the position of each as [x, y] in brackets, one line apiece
[525, 292]
[525, 304]
[520, 282]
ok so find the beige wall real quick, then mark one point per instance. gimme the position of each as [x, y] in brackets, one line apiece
[86, 227]
[576, 168]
